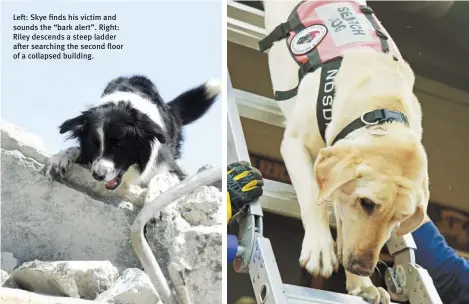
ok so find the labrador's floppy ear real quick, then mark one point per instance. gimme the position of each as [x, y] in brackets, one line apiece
[334, 167]
[74, 125]
[416, 219]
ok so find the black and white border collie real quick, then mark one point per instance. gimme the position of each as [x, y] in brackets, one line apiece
[132, 135]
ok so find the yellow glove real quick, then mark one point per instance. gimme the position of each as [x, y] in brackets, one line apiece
[229, 213]
[244, 184]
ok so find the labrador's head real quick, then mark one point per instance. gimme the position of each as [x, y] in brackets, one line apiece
[376, 185]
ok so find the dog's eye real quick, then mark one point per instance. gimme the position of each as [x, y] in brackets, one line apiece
[368, 205]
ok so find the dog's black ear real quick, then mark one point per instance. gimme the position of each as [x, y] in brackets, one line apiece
[148, 129]
[157, 132]
[73, 125]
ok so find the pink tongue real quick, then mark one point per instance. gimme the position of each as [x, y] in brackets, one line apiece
[112, 183]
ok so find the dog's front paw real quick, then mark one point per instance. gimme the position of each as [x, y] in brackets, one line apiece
[373, 294]
[318, 254]
[58, 164]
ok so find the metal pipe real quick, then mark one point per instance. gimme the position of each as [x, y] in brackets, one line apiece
[139, 243]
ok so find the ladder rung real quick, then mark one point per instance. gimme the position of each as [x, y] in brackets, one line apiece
[303, 295]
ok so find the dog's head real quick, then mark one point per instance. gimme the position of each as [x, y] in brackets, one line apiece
[113, 138]
[374, 187]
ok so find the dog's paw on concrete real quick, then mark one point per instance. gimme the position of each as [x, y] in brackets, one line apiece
[318, 255]
[58, 164]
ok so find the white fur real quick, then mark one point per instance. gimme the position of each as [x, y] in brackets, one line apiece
[318, 241]
[100, 132]
[302, 140]
[138, 102]
[213, 88]
[150, 169]
[363, 287]
[104, 167]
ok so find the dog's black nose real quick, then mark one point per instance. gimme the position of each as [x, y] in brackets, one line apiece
[98, 177]
[359, 270]
[362, 266]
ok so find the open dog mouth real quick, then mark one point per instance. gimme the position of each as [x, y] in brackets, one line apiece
[115, 182]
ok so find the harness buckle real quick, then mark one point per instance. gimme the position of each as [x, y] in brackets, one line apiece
[367, 123]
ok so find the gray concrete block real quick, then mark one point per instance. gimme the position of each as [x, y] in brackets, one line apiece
[48, 221]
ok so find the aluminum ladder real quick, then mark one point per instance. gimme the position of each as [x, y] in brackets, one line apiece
[252, 253]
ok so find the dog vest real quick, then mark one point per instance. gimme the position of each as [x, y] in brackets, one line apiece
[317, 35]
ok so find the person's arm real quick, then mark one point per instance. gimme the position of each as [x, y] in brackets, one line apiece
[450, 272]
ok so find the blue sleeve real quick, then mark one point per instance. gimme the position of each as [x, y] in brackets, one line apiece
[450, 273]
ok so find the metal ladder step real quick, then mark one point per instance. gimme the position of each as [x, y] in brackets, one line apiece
[303, 295]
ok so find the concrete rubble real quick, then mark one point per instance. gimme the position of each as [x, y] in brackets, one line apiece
[3, 276]
[133, 287]
[72, 238]
[77, 279]
[195, 247]
[18, 296]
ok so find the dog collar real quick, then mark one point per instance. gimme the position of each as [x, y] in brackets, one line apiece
[372, 118]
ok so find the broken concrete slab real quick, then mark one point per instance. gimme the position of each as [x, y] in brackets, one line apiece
[202, 207]
[192, 243]
[50, 221]
[10, 283]
[6, 280]
[3, 276]
[197, 263]
[30, 145]
[77, 279]
[132, 287]
[18, 296]
[8, 262]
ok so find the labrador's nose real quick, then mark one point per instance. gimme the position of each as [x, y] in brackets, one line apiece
[361, 265]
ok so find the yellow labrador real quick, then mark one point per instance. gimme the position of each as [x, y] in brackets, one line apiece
[375, 176]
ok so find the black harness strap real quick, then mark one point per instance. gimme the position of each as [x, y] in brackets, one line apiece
[368, 11]
[326, 94]
[372, 118]
[314, 62]
[280, 32]
[285, 95]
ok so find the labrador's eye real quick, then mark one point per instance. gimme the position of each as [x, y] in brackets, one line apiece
[368, 205]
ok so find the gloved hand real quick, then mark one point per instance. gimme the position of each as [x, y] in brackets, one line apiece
[244, 184]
